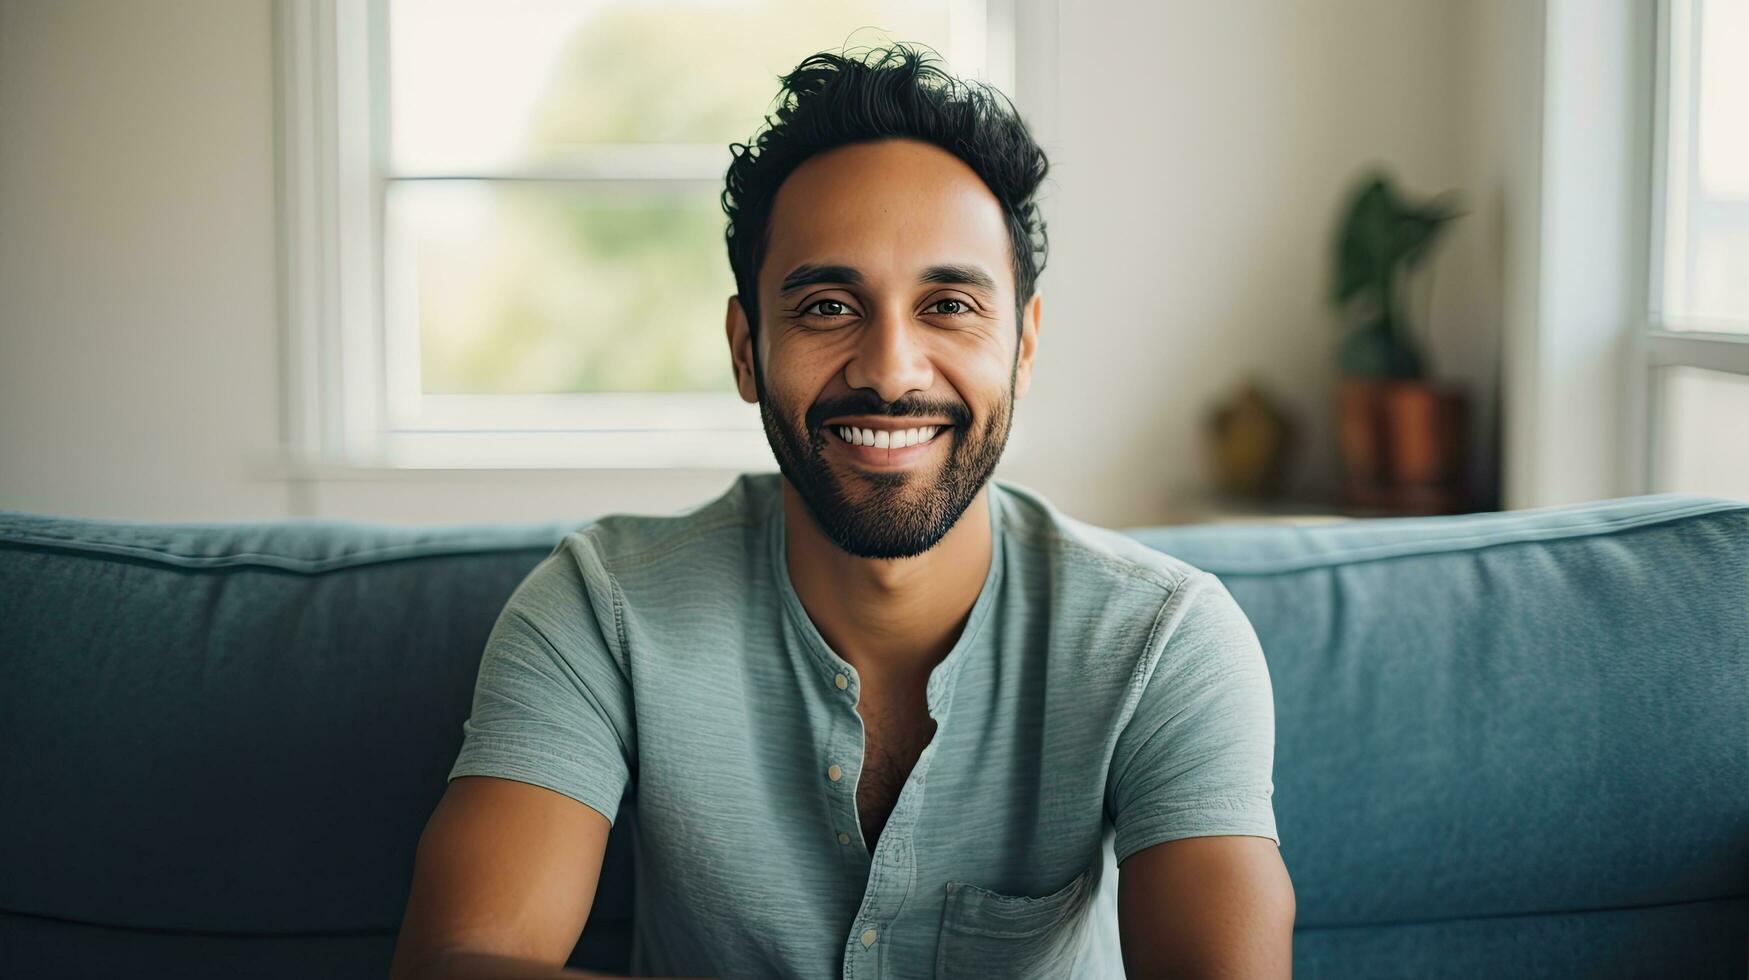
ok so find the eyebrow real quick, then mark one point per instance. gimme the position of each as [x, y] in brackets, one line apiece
[958, 275]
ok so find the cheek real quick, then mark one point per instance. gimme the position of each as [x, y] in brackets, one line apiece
[980, 380]
[791, 392]
[982, 357]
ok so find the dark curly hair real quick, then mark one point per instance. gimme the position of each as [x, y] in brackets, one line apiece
[830, 100]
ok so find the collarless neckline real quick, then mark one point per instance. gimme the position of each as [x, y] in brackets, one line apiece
[828, 662]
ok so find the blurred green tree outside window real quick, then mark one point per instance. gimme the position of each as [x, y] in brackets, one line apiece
[554, 170]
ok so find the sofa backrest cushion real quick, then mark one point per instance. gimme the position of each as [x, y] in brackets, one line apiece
[1493, 714]
[240, 728]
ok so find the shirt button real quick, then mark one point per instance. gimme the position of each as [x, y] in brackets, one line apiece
[843, 838]
[868, 939]
[834, 773]
[842, 681]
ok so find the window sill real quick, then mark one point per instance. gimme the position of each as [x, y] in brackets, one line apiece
[422, 455]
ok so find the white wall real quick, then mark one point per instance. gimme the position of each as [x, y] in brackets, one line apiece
[1503, 155]
[1199, 153]
[137, 289]
[1202, 153]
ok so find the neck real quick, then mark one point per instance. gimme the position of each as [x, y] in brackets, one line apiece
[894, 617]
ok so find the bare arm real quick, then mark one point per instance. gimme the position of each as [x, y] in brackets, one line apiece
[502, 884]
[1206, 907]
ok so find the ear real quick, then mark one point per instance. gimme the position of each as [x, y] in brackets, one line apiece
[741, 350]
[1028, 343]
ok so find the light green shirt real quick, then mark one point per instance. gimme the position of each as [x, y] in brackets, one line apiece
[1101, 698]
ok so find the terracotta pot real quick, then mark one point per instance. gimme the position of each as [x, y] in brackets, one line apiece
[1424, 432]
[1399, 434]
[1360, 430]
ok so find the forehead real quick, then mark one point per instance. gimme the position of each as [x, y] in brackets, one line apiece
[887, 208]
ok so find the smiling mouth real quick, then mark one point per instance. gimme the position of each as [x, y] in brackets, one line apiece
[885, 447]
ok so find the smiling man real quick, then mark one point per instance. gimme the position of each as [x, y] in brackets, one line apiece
[881, 714]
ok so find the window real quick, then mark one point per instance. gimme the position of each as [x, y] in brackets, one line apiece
[505, 239]
[1699, 337]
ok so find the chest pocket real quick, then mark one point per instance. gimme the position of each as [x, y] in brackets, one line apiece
[989, 934]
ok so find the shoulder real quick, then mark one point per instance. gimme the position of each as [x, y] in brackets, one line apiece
[1120, 592]
[617, 561]
[1089, 554]
[627, 541]
[667, 579]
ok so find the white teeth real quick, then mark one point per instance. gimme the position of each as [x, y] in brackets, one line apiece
[886, 438]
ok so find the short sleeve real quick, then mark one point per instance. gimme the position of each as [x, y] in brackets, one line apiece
[552, 703]
[1196, 757]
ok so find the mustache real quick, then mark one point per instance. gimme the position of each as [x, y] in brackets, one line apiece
[868, 404]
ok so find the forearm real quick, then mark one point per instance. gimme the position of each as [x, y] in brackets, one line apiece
[485, 966]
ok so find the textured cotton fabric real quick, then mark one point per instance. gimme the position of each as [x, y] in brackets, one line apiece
[1102, 697]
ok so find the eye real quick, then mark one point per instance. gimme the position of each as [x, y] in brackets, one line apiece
[965, 309]
[826, 302]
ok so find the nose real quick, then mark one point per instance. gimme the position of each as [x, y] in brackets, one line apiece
[891, 357]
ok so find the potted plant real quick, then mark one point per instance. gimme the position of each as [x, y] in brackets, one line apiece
[1401, 433]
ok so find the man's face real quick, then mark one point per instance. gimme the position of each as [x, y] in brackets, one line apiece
[886, 302]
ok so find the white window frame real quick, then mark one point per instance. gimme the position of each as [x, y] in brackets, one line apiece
[1671, 341]
[350, 396]
[1585, 342]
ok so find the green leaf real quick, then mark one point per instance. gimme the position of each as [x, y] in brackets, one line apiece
[1381, 239]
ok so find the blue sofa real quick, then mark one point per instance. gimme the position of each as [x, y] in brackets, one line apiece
[1508, 744]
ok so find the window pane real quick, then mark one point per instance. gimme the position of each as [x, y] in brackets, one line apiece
[1700, 443]
[526, 287]
[480, 85]
[1706, 206]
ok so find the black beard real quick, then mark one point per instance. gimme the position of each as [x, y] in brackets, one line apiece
[902, 514]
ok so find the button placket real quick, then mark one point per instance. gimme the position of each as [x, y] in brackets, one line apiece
[835, 773]
[892, 873]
